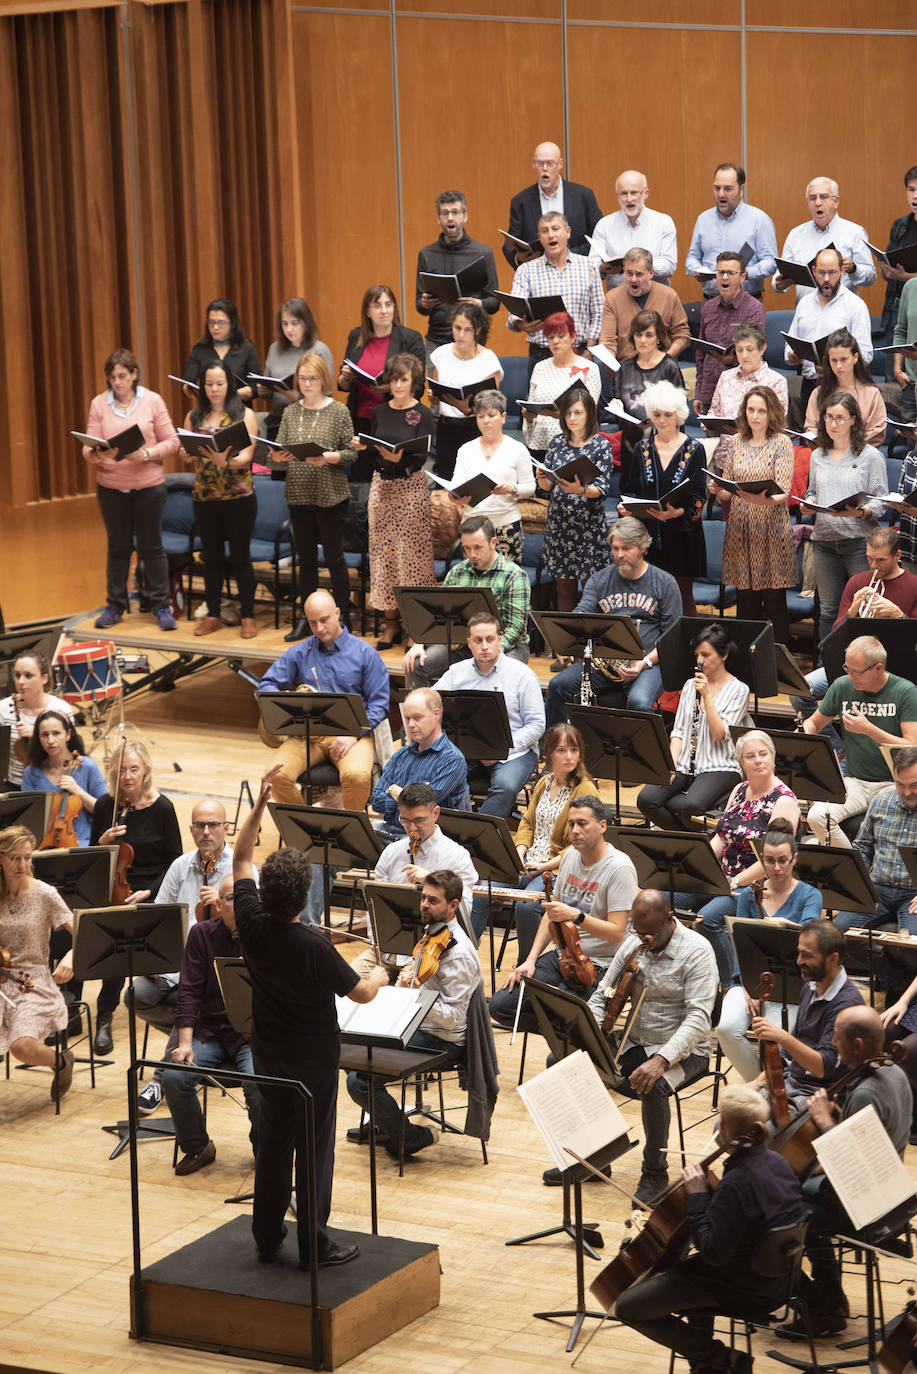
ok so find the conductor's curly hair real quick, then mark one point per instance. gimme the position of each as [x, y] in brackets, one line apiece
[285, 878]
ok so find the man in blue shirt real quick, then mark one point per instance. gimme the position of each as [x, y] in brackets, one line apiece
[330, 660]
[430, 757]
[731, 223]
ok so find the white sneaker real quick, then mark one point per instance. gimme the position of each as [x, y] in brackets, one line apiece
[149, 1099]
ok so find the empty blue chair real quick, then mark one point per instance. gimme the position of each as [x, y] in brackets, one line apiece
[776, 321]
[709, 591]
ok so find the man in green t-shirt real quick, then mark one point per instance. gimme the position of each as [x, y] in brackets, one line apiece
[874, 707]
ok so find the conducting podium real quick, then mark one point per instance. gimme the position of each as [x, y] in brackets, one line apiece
[310, 715]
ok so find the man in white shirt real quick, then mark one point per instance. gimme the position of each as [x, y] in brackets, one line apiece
[489, 670]
[634, 226]
[424, 848]
[823, 229]
[831, 306]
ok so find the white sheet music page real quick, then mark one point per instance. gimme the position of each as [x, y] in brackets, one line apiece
[863, 1167]
[387, 1014]
[570, 1105]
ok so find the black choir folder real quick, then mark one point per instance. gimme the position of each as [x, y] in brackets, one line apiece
[460, 393]
[420, 444]
[127, 441]
[532, 307]
[905, 257]
[806, 349]
[473, 489]
[639, 505]
[798, 272]
[452, 286]
[232, 439]
[530, 245]
[579, 467]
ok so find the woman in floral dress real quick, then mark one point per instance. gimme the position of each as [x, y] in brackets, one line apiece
[576, 530]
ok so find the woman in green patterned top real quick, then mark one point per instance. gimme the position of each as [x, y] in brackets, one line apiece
[224, 499]
[317, 488]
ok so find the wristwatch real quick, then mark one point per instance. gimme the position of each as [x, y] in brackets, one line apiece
[578, 920]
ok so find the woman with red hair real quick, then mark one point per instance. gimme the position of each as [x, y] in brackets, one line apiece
[553, 376]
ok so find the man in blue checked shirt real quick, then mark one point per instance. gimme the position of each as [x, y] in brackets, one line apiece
[330, 660]
[429, 757]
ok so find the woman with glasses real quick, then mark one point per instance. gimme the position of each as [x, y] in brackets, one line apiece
[223, 341]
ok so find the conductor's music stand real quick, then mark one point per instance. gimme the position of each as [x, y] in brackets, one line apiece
[899, 638]
[769, 947]
[477, 724]
[568, 1025]
[83, 877]
[490, 846]
[344, 838]
[304, 714]
[806, 763]
[124, 942]
[753, 660]
[630, 746]
[31, 809]
[568, 632]
[661, 856]
[440, 615]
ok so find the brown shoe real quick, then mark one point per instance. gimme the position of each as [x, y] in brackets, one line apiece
[64, 1076]
[189, 1164]
[208, 624]
[249, 628]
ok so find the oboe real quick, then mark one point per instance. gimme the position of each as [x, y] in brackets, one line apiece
[585, 691]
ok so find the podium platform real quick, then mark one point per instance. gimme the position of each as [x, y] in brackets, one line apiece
[214, 1295]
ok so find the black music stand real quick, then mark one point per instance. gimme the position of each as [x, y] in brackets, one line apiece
[806, 763]
[83, 877]
[5, 734]
[753, 662]
[235, 984]
[630, 746]
[31, 809]
[304, 714]
[790, 677]
[344, 838]
[440, 615]
[123, 942]
[899, 638]
[568, 1025]
[477, 724]
[490, 846]
[769, 947]
[395, 911]
[661, 856]
[568, 632]
[15, 643]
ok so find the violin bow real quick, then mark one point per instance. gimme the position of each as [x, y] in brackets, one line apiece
[605, 1178]
[512, 1039]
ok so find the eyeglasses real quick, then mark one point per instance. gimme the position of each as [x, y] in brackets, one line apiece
[207, 825]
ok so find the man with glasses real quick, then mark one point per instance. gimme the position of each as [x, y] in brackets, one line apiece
[549, 193]
[874, 707]
[890, 823]
[831, 306]
[666, 1044]
[454, 250]
[720, 316]
[192, 878]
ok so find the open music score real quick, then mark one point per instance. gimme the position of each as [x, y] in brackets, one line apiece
[354, 876]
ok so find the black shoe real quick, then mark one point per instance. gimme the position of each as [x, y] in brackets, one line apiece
[717, 1362]
[336, 1254]
[388, 643]
[359, 1135]
[651, 1185]
[823, 1324]
[103, 1043]
[268, 1256]
[553, 1178]
[299, 631]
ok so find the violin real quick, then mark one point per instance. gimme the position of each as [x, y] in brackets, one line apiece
[771, 1058]
[61, 833]
[204, 910]
[665, 1236]
[427, 953]
[621, 993]
[21, 980]
[575, 966]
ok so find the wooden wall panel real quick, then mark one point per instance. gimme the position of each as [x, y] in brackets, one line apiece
[676, 142]
[832, 14]
[657, 11]
[488, 168]
[526, 9]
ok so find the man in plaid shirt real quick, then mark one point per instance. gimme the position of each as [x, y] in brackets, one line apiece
[890, 821]
[558, 272]
[482, 566]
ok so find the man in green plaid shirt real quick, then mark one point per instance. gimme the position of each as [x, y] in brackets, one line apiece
[890, 821]
[482, 566]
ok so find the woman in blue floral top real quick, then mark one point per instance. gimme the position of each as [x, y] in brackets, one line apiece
[576, 530]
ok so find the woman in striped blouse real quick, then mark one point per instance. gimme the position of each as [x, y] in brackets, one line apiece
[706, 764]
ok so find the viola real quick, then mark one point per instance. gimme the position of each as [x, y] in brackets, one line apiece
[61, 833]
[427, 953]
[21, 980]
[204, 910]
[771, 1058]
[575, 966]
[621, 993]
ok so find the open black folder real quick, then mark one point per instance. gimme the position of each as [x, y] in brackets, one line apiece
[531, 307]
[231, 439]
[452, 286]
[126, 441]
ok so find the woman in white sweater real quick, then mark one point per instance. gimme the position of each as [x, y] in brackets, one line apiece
[507, 463]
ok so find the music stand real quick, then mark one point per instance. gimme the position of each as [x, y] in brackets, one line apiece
[568, 1025]
[5, 734]
[123, 942]
[83, 877]
[396, 920]
[769, 947]
[235, 984]
[630, 746]
[490, 846]
[806, 763]
[753, 661]
[31, 809]
[899, 638]
[15, 643]
[304, 714]
[790, 677]
[568, 632]
[477, 723]
[344, 838]
[658, 855]
[440, 615]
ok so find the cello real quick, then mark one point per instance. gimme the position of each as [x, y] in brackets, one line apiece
[771, 1058]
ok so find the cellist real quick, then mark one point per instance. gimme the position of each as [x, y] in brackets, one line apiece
[758, 1191]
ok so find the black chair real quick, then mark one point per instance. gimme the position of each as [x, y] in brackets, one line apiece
[708, 1077]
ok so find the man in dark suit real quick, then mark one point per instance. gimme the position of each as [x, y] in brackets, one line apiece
[550, 192]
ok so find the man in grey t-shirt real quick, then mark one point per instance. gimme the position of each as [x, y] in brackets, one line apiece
[594, 890]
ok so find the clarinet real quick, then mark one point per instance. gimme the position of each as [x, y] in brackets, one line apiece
[695, 721]
[585, 690]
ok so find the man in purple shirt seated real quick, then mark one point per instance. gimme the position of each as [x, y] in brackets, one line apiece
[205, 1036]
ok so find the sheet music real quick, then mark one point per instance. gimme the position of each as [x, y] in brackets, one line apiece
[863, 1167]
[388, 1014]
[570, 1105]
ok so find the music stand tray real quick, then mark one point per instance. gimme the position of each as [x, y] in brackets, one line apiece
[630, 746]
[806, 763]
[83, 877]
[568, 632]
[662, 856]
[440, 615]
[31, 809]
[477, 723]
[899, 638]
[840, 875]
[753, 660]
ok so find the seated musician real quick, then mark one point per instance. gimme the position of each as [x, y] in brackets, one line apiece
[780, 897]
[594, 890]
[454, 980]
[491, 670]
[810, 1058]
[192, 879]
[57, 764]
[874, 707]
[890, 822]
[706, 764]
[666, 1044]
[858, 1037]
[430, 756]
[330, 660]
[758, 1191]
[205, 1036]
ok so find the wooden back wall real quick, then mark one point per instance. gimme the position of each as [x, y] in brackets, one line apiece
[160, 154]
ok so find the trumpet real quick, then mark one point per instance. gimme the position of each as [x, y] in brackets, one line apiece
[869, 594]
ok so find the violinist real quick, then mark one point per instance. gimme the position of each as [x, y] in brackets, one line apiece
[455, 979]
[758, 1190]
[31, 695]
[858, 1037]
[667, 1041]
[146, 822]
[594, 890]
[29, 912]
[193, 878]
[57, 764]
